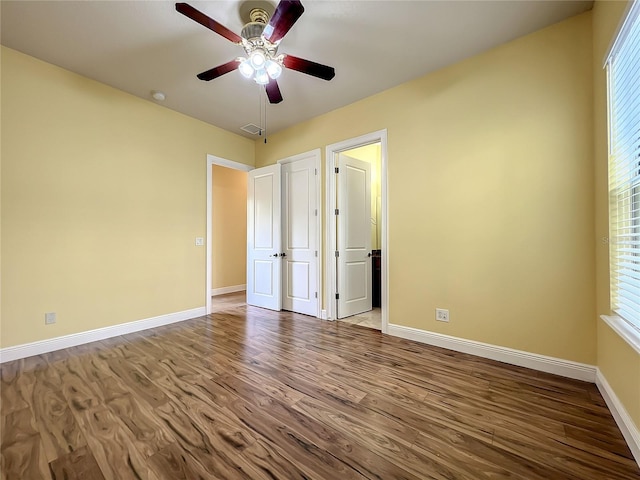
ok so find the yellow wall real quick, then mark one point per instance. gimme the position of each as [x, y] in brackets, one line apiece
[229, 236]
[103, 195]
[1, 51]
[617, 360]
[490, 192]
[620, 365]
[372, 155]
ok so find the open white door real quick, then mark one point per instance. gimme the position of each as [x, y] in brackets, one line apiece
[299, 236]
[354, 236]
[263, 238]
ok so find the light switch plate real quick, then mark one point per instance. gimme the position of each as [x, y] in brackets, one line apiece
[199, 241]
[49, 318]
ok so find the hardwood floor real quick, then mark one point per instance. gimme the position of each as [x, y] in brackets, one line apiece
[253, 394]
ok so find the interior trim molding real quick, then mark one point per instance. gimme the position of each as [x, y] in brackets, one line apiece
[331, 155]
[231, 289]
[543, 363]
[625, 330]
[223, 162]
[629, 429]
[58, 343]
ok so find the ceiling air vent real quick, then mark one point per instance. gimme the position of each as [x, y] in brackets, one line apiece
[251, 128]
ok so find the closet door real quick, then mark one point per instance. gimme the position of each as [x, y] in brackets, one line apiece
[264, 265]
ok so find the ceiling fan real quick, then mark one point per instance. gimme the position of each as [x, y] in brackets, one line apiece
[260, 39]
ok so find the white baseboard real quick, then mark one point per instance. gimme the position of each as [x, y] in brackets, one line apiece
[565, 368]
[629, 429]
[231, 289]
[36, 348]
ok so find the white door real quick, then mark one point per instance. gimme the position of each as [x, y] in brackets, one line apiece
[299, 237]
[263, 238]
[353, 236]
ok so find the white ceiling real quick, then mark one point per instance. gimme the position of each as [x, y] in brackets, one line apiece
[140, 46]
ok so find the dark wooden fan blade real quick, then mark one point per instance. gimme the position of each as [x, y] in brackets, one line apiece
[310, 68]
[197, 16]
[219, 70]
[273, 91]
[286, 14]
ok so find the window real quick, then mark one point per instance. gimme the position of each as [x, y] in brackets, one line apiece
[623, 69]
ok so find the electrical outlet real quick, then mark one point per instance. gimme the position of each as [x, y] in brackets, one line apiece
[442, 314]
[199, 241]
[49, 318]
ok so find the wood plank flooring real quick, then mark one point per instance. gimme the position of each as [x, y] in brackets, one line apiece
[246, 393]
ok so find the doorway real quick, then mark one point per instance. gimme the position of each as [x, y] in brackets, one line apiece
[227, 278]
[346, 189]
[358, 232]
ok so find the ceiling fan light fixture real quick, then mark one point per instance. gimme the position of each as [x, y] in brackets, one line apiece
[273, 69]
[245, 68]
[257, 59]
[261, 77]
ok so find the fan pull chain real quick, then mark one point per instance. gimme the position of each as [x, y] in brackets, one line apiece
[260, 109]
[265, 115]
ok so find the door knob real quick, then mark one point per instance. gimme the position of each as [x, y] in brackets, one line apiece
[282, 254]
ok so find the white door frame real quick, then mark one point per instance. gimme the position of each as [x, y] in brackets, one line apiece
[317, 154]
[331, 154]
[223, 162]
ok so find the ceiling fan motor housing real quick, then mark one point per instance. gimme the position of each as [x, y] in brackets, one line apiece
[252, 31]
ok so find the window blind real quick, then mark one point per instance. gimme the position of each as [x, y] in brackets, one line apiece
[623, 70]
